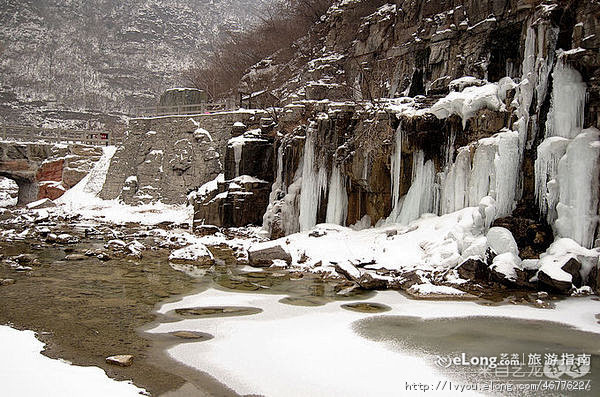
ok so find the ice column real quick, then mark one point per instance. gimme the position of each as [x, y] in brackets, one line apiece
[565, 120]
[337, 202]
[578, 182]
[420, 197]
[396, 165]
[314, 182]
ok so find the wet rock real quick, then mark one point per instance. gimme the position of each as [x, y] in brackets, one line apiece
[348, 270]
[366, 307]
[191, 335]
[7, 281]
[309, 301]
[542, 295]
[473, 269]
[347, 290]
[122, 360]
[63, 238]
[75, 257]
[218, 311]
[27, 259]
[368, 281]
[263, 255]
[206, 230]
[406, 280]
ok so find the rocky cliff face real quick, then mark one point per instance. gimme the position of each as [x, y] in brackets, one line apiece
[412, 108]
[103, 54]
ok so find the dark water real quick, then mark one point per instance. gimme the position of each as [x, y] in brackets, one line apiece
[480, 344]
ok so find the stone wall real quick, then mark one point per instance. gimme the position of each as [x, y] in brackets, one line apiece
[166, 158]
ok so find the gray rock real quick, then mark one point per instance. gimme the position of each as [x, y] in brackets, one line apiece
[263, 255]
[75, 257]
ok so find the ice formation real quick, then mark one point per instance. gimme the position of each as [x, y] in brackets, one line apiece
[396, 165]
[579, 183]
[420, 197]
[314, 182]
[283, 201]
[337, 201]
[567, 168]
[493, 172]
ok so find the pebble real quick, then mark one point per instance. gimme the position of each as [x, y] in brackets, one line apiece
[122, 360]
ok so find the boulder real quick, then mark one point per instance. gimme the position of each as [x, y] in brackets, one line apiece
[501, 241]
[562, 282]
[473, 269]
[263, 255]
[196, 254]
[368, 281]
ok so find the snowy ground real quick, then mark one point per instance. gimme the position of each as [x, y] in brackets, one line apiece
[299, 351]
[26, 372]
[8, 190]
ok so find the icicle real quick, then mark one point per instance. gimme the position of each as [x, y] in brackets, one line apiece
[337, 202]
[455, 185]
[538, 57]
[237, 155]
[314, 183]
[549, 153]
[566, 114]
[565, 121]
[506, 163]
[396, 165]
[420, 197]
[579, 182]
[482, 181]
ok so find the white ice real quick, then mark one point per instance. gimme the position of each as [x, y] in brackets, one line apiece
[24, 371]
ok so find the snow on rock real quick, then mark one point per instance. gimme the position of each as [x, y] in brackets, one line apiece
[501, 241]
[439, 291]
[428, 243]
[463, 82]
[26, 372]
[469, 101]
[196, 253]
[264, 254]
[560, 253]
[43, 203]
[202, 135]
[505, 266]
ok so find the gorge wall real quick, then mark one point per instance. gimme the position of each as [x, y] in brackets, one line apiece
[498, 133]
